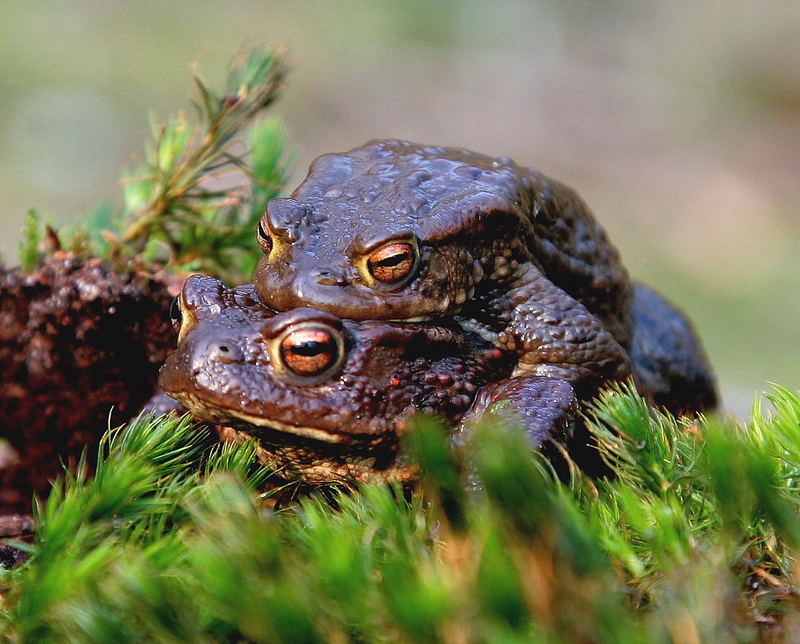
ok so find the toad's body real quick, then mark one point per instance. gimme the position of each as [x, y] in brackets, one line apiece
[394, 230]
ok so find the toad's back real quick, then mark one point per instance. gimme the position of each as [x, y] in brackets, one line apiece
[448, 198]
[394, 230]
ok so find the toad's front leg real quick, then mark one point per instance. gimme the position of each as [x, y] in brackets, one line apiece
[556, 336]
[545, 408]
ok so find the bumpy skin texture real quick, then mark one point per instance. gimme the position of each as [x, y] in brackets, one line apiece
[345, 424]
[545, 406]
[514, 256]
[518, 256]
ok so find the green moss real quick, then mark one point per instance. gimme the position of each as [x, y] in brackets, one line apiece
[171, 541]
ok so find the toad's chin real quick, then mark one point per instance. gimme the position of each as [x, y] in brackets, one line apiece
[314, 433]
[418, 318]
[208, 412]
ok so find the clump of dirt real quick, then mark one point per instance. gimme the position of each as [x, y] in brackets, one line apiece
[14, 527]
[76, 340]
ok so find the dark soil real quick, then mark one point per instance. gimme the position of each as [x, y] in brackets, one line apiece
[80, 349]
[16, 527]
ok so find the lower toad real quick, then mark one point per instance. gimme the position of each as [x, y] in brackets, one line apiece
[329, 399]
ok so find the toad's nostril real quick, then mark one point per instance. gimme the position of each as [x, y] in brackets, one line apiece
[330, 278]
[225, 353]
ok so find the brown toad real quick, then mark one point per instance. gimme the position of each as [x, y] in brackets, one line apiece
[328, 399]
[394, 230]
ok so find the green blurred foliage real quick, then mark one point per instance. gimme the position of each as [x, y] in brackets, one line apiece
[678, 122]
[181, 210]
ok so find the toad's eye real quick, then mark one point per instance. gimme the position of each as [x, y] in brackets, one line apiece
[264, 240]
[392, 263]
[175, 313]
[310, 351]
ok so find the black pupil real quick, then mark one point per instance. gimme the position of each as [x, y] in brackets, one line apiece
[311, 348]
[175, 310]
[393, 260]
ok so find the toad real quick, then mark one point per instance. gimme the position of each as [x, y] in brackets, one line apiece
[394, 230]
[328, 399]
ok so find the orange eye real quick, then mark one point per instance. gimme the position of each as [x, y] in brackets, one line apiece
[264, 240]
[309, 351]
[392, 263]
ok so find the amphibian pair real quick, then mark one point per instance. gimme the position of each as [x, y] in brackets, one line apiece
[430, 238]
[327, 398]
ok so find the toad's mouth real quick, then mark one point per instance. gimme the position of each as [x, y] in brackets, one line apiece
[210, 413]
[418, 318]
[304, 431]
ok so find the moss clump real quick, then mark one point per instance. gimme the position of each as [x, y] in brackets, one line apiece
[693, 537]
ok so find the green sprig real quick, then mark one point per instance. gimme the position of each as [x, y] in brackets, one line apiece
[182, 200]
[193, 203]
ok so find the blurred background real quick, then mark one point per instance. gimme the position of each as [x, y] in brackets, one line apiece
[679, 122]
